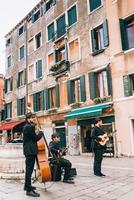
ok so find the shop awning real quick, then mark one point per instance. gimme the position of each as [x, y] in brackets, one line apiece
[90, 111]
[9, 125]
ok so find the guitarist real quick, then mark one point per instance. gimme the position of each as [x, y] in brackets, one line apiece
[98, 149]
[59, 161]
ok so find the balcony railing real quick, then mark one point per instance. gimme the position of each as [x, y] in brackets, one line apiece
[60, 67]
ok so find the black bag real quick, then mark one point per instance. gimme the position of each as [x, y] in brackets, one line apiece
[73, 172]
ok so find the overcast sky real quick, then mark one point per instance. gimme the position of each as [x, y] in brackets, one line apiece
[11, 12]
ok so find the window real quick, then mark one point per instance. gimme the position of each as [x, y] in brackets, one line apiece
[61, 26]
[100, 83]
[38, 69]
[100, 39]
[127, 33]
[49, 4]
[8, 85]
[36, 16]
[38, 101]
[8, 42]
[30, 73]
[93, 4]
[30, 46]
[21, 79]
[76, 90]
[128, 81]
[50, 60]
[50, 30]
[38, 40]
[60, 54]
[21, 52]
[52, 93]
[9, 61]
[8, 110]
[21, 107]
[74, 50]
[72, 15]
[21, 30]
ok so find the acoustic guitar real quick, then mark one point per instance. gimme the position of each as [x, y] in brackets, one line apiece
[105, 138]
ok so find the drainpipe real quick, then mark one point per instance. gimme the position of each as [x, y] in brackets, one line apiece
[26, 74]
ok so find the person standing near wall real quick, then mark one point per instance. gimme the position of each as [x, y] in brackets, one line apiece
[98, 149]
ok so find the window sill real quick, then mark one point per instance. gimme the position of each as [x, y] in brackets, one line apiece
[129, 51]
[98, 52]
[91, 12]
[21, 86]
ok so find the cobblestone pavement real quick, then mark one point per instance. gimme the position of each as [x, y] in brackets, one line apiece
[117, 185]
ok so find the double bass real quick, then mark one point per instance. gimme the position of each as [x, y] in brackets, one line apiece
[42, 159]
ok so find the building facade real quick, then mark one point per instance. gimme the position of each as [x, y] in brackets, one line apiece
[64, 62]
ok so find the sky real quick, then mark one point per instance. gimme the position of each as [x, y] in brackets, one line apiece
[11, 12]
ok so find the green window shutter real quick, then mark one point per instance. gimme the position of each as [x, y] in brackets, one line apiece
[94, 4]
[105, 33]
[93, 41]
[92, 85]
[127, 85]
[34, 103]
[82, 88]
[11, 84]
[57, 96]
[123, 34]
[18, 107]
[55, 56]
[5, 85]
[69, 94]
[50, 29]
[5, 111]
[17, 80]
[109, 79]
[72, 16]
[38, 69]
[10, 110]
[43, 100]
[61, 26]
[47, 98]
[25, 76]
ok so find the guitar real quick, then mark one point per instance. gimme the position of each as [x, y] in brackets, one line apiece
[105, 138]
[62, 152]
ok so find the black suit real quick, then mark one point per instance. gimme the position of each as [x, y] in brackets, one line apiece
[30, 150]
[97, 149]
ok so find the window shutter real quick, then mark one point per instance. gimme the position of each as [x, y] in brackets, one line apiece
[61, 26]
[41, 11]
[94, 4]
[50, 29]
[93, 41]
[82, 88]
[43, 100]
[123, 34]
[5, 111]
[34, 102]
[11, 84]
[109, 79]
[57, 95]
[38, 69]
[92, 85]
[47, 98]
[105, 33]
[17, 80]
[18, 107]
[70, 100]
[5, 85]
[10, 110]
[45, 8]
[127, 85]
[25, 76]
[72, 16]
[33, 19]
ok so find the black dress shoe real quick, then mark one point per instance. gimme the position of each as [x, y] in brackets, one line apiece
[97, 174]
[68, 181]
[103, 174]
[32, 193]
[32, 188]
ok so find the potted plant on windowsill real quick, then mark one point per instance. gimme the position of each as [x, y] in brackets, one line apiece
[76, 105]
[102, 99]
[60, 66]
[52, 110]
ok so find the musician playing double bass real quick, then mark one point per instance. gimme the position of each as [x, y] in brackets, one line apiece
[30, 150]
[60, 162]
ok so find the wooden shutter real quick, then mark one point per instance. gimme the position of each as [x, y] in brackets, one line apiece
[50, 29]
[11, 83]
[18, 107]
[72, 16]
[5, 111]
[94, 4]
[92, 85]
[105, 33]
[123, 34]
[38, 69]
[127, 85]
[47, 98]
[10, 110]
[34, 102]
[17, 80]
[61, 26]
[57, 95]
[93, 41]
[25, 76]
[43, 100]
[69, 94]
[82, 88]
[109, 79]
[5, 85]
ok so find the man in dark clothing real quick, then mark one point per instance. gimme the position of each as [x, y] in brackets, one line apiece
[59, 161]
[98, 149]
[30, 150]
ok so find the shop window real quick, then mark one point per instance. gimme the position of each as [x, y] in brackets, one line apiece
[21, 78]
[72, 15]
[127, 33]
[100, 83]
[30, 46]
[9, 61]
[128, 81]
[38, 69]
[100, 39]
[31, 73]
[38, 101]
[50, 60]
[94, 4]
[74, 50]
[21, 52]
[21, 106]
[38, 40]
[76, 90]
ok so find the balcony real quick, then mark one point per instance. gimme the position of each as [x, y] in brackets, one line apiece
[60, 67]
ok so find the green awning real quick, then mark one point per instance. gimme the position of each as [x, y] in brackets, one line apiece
[90, 111]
